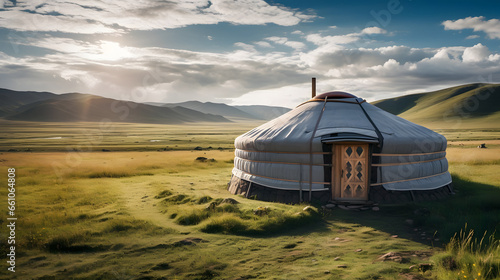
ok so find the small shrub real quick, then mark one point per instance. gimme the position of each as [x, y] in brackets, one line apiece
[262, 211]
[84, 217]
[449, 262]
[64, 241]
[203, 199]
[278, 221]
[193, 218]
[163, 194]
[218, 200]
[178, 199]
[230, 201]
[211, 206]
[225, 224]
[119, 226]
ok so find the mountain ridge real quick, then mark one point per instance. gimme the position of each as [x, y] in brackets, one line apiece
[472, 104]
[256, 112]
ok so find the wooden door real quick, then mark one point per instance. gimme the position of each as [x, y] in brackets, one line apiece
[350, 176]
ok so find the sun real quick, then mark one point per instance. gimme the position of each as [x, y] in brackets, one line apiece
[113, 51]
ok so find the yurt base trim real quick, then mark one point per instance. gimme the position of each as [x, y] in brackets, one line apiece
[377, 194]
[259, 192]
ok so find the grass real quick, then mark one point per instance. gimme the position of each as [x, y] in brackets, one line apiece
[193, 218]
[92, 137]
[169, 216]
[466, 256]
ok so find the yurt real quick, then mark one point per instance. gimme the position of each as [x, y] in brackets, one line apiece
[337, 147]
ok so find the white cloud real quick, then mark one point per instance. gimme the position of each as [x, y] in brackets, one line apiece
[284, 41]
[332, 40]
[24, 21]
[121, 15]
[246, 47]
[335, 40]
[391, 71]
[490, 27]
[373, 30]
[472, 37]
[263, 44]
[476, 53]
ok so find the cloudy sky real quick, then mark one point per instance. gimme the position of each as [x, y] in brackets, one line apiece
[246, 51]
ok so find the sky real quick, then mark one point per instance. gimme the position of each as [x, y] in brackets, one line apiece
[244, 52]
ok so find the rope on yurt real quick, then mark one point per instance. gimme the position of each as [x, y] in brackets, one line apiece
[311, 148]
[249, 188]
[300, 183]
[412, 195]
[379, 134]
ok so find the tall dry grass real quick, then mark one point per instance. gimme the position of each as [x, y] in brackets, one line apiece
[469, 257]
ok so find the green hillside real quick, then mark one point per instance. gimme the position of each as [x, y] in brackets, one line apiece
[11, 100]
[465, 106]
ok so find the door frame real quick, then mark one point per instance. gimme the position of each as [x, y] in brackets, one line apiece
[337, 167]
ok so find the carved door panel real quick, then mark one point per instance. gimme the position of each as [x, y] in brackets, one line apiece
[353, 163]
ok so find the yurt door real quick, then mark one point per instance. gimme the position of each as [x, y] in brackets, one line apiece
[350, 174]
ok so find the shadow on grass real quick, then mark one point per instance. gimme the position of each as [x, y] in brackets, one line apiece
[474, 205]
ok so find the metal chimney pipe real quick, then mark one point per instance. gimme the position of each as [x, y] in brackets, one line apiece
[313, 87]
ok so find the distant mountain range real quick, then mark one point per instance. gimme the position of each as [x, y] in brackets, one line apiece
[77, 107]
[255, 112]
[471, 105]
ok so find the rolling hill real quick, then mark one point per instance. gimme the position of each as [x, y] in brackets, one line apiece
[11, 100]
[76, 107]
[465, 106]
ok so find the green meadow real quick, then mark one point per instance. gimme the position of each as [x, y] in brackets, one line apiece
[131, 201]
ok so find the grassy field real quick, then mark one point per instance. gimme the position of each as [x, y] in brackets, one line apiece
[144, 211]
[92, 137]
